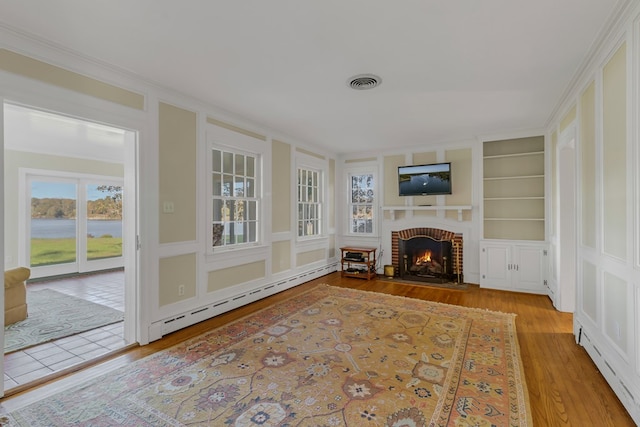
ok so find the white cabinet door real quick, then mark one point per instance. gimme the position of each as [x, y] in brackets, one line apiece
[529, 272]
[494, 266]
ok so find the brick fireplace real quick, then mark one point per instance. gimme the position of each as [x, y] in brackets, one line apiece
[427, 254]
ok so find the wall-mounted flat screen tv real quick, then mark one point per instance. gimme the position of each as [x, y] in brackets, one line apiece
[424, 180]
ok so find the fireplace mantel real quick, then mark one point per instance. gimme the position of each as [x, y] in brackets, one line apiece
[392, 209]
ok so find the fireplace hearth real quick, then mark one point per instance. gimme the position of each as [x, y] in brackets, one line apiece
[427, 255]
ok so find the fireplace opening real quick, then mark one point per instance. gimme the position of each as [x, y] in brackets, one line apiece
[427, 254]
[426, 259]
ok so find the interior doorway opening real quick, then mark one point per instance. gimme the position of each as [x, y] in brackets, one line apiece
[84, 173]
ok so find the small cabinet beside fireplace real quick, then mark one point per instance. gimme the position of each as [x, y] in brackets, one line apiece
[513, 266]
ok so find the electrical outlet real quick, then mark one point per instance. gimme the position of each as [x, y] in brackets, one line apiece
[180, 290]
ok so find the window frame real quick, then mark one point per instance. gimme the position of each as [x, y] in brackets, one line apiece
[231, 142]
[316, 165]
[375, 217]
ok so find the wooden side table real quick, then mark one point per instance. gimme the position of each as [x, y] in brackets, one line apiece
[358, 262]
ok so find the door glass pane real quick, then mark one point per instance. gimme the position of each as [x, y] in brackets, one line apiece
[104, 221]
[216, 180]
[216, 161]
[251, 166]
[250, 185]
[239, 164]
[53, 223]
[239, 187]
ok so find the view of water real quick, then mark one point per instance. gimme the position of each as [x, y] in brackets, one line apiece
[66, 228]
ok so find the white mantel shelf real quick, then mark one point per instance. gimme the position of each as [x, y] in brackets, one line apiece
[392, 209]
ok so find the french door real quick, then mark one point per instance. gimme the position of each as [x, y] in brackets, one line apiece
[72, 223]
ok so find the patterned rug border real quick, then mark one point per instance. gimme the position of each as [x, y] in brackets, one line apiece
[447, 285]
[475, 309]
[189, 348]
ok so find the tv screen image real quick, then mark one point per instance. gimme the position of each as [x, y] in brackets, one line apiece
[424, 180]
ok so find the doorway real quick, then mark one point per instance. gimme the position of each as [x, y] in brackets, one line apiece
[88, 171]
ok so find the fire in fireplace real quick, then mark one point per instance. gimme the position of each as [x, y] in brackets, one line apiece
[426, 259]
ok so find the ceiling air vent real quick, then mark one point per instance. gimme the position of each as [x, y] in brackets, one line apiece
[364, 81]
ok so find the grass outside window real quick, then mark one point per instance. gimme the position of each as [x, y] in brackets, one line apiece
[61, 251]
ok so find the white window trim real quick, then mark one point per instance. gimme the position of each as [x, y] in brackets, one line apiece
[362, 170]
[224, 139]
[305, 161]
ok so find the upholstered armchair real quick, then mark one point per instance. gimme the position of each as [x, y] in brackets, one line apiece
[15, 294]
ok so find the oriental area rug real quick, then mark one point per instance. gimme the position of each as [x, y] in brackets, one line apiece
[329, 357]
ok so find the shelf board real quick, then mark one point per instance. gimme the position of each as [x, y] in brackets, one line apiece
[504, 156]
[499, 178]
[514, 198]
[514, 219]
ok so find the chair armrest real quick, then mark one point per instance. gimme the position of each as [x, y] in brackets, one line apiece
[16, 276]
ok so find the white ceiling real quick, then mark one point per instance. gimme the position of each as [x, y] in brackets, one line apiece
[45, 133]
[451, 69]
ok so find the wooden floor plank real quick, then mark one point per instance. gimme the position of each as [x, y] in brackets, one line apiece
[565, 387]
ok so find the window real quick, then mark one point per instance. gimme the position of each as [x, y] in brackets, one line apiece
[235, 197]
[361, 204]
[309, 202]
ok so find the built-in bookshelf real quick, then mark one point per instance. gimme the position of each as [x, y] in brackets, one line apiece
[513, 192]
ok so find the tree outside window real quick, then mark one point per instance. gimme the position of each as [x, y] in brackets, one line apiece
[361, 204]
[235, 199]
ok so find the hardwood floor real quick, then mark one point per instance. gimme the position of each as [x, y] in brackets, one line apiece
[565, 387]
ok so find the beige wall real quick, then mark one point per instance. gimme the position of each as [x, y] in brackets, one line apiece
[234, 128]
[281, 186]
[390, 185]
[19, 64]
[331, 208]
[614, 137]
[281, 256]
[174, 272]
[461, 180]
[331, 191]
[304, 258]
[226, 277]
[177, 180]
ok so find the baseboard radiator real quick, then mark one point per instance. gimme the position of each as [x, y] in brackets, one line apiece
[623, 386]
[163, 327]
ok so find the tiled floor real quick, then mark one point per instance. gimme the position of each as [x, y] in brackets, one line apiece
[23, 366]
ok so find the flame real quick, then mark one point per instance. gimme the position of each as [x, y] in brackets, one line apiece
[424, 258]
